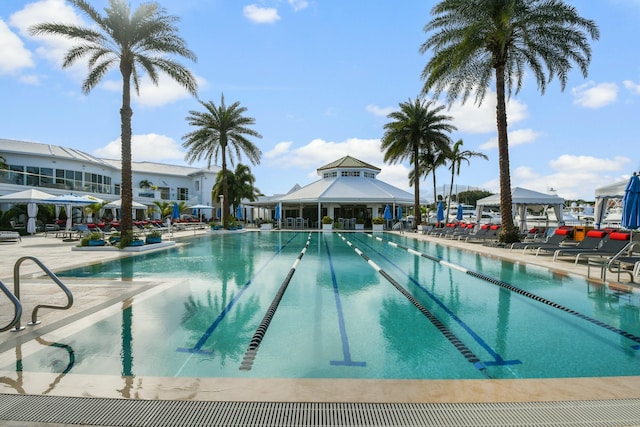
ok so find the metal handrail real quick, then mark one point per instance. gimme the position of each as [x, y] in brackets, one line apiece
[16, 286]
[17, 310]
[626, 251]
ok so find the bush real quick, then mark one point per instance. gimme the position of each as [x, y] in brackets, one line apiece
[327, 220]
[378, 220]
[154, 233]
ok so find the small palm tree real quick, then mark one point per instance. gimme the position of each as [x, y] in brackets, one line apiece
[456, 157]
[221, 131]
[125, 40]
[416, 128]
[145, 184]
[475, 42]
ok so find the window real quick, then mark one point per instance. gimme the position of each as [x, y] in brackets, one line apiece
[164, 193]
[16, 176]
[183, 193]
[369, 175]
[350, 173]
[330, 174]
[46, 177]
[197, 185]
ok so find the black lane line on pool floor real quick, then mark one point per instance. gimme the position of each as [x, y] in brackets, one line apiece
[498, 360]
[346, 351]
[519, 291]
[198, 347]
[442, 328]
[261, 330]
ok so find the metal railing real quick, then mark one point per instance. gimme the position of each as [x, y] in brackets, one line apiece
[622, 257]
[16, 287]
[17, 307]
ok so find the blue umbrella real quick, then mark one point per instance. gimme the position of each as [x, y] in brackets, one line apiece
[459, 214]
[277, 215]
[387, 213]
[440, 213]
[399, 212]
[175, 213]
[631, 204]
[239, 212]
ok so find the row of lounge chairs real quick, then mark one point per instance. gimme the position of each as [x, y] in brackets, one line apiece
[467, 232]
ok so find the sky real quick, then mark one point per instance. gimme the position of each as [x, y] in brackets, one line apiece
[320, 78]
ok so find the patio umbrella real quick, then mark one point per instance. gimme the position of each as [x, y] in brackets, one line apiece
[440, 212]
[387, 213]
[31, 197]
[239, 212]
[277, 215]
[175, 213]
[459, 213]
[197, 208]
[631, 204]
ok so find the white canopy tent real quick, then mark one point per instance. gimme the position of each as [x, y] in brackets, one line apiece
[521, 198]
[31, 197]
[603, 194]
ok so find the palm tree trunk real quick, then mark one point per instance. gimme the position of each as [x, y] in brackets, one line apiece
[225, 191]
[453, 173]
[508, 232]
[126, 188]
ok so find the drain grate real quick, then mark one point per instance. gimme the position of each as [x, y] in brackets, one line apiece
[156, 413]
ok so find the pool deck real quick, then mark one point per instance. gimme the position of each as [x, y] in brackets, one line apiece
[92, 295]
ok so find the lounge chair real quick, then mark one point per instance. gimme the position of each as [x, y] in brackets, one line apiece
[462, 231]
[615, 243]
[593, 240]
[10, 236]
[490, 234]
[560, 235]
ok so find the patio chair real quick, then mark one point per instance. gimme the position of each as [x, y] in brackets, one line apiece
[593, 240]
[491, 234]
[560, 235]
[10, 236]
[616, 242]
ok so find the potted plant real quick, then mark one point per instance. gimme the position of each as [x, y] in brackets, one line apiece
[154, 236]
[360, 223]
[114, 238]
[93, 239]
[378, 223]
[136, 241]
[327, 223]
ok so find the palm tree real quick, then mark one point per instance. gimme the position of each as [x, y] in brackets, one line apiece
[221, 131]
[244, 185]
[417, 127]
[429, 161]
[127, 41]
[475, 41]
[164, 207]
[456, 158]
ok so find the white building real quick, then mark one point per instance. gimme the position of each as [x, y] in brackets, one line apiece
[61, 170]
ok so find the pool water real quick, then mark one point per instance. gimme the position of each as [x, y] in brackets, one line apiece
[339, 317]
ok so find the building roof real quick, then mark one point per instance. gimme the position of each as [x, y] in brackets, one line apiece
[348, 162]
[48, 151]
[163, 168]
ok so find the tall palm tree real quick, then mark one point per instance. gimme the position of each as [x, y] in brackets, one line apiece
[476, 41]
[127, 41]
[417, 127]
[429, 161]
[239, 185]
[221, 131]
[456, 158]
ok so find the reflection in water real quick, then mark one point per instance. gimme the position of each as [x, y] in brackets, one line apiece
[17, 384]
[127, 337]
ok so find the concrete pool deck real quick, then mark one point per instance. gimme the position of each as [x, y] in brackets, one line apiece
[92, 295]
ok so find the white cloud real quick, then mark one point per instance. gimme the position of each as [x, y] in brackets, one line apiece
[12, 51]
[573, 163]
[261, 15]
[150, 147]
[380, 111]
[475, 119]
[319, 152]
[516, 137]
[54, 47]
[592, 95]
[633, 87]
[298, 5]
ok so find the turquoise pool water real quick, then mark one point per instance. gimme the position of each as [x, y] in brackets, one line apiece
[355, 306]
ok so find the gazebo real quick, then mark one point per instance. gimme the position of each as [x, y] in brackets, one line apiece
[348, 191]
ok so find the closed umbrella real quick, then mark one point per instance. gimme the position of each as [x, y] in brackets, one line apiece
[277, 215]
[399, 212]
[239, 212]
[175, 213]
[32, 212]
[631, 204]
[387, 213]
[459, 215]
[440, 212]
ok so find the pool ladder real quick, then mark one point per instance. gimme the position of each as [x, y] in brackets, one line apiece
[15, 296]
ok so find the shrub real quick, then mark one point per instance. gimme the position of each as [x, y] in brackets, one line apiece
[378, 220]
[327, 220]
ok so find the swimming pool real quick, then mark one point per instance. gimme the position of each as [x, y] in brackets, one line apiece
[356, 306]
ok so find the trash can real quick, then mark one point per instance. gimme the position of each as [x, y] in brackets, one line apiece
[580, 232]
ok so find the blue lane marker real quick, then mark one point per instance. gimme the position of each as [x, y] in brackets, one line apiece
[198, 347]
[498, 360]
[343, 330]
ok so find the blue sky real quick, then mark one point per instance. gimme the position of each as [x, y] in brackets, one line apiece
[320, 78]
